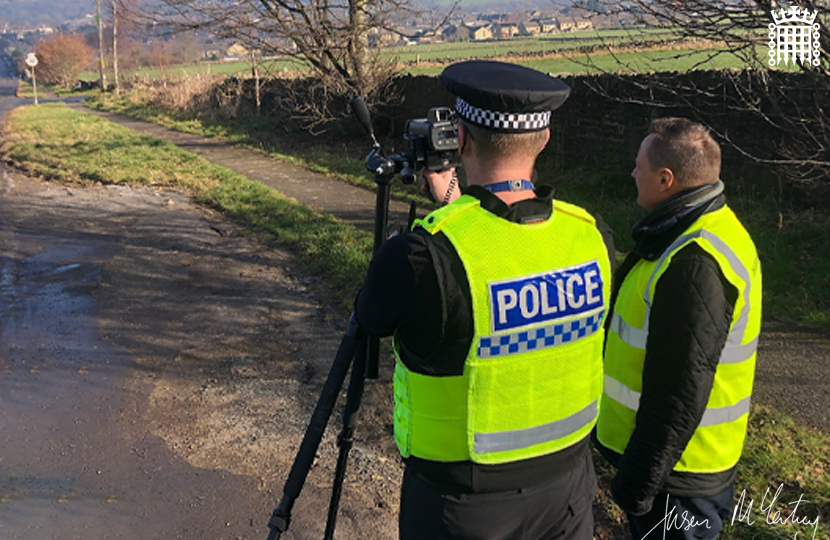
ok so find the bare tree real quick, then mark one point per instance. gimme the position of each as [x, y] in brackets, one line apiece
[116, 87]
[327, 37]
[101, 75]
[796, 105]
[62, 58]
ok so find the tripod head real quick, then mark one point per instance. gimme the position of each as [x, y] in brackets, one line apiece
[377, 162]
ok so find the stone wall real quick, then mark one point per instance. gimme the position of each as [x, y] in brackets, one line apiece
[607, 116]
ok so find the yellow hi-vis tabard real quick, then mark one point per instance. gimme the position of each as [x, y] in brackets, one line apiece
[718, 441]
[533, 375]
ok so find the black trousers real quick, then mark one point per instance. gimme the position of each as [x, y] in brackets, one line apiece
[684, 518]
[559, 510]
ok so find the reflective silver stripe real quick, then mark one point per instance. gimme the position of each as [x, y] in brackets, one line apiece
[713, 416]
[621, 393]
[724, 415]
[734, 354]
[734, 351]
[502, 441]
[631, 335]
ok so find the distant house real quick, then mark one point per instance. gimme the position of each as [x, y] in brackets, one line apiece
[507, 30]
[382, 38]
[481, 33]
[548, 26]
[236, 51]
[567, 26]
[494, 17]
[529, 28]
[584, 25]
[455, 32]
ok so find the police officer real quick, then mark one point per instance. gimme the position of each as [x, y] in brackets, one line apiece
[681, 345]
[496, 302]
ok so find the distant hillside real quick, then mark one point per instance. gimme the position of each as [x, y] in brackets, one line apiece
[51, 12]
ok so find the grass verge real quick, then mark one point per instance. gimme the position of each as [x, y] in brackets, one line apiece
[338, 156]
[26, 89]
[62, 144]
[83, 149]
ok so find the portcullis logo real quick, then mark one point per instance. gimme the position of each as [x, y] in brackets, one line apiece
[794, 37]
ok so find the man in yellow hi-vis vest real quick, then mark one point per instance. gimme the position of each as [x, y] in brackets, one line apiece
[497, 302]
[681, 343]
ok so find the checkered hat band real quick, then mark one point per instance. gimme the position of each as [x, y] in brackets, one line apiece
[503, 121]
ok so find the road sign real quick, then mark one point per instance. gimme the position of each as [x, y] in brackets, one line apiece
[31, 60]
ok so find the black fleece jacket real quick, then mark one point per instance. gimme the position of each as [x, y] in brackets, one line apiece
[688, 326]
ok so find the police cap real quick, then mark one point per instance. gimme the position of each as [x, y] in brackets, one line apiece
[504, 97]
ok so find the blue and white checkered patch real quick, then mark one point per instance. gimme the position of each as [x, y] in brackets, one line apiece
[501, 120]
[540, 338]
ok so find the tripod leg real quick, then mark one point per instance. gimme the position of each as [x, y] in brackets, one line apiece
[281, 517]
[345, 440]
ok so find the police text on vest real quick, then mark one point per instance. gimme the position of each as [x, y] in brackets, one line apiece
[545, 297]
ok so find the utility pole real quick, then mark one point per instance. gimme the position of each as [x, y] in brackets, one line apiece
[102, 76]
[115, 88]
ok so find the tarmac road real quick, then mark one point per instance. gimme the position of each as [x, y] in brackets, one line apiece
[76, 458]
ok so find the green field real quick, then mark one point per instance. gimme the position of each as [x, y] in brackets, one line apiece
[637, 62]
[547, 44]
[555, 53]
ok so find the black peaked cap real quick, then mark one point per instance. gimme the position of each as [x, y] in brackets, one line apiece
[502, 96]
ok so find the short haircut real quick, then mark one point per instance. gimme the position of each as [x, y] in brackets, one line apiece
[685, 147]
[493, 145]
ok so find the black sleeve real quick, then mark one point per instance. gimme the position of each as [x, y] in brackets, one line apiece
[401, 291]
[688, 326]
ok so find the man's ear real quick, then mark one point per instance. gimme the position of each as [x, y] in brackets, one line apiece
[667, 179]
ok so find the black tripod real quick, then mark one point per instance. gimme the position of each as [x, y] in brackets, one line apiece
[356, 350]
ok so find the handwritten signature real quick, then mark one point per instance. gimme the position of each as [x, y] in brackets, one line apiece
[684, 521]
[742, 511]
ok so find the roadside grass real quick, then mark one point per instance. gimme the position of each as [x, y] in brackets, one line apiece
[778, 455]
[65, 145]
[781, 455]
[25, 89]
[341, 155]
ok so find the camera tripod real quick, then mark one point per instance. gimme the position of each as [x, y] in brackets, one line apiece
[356, 350]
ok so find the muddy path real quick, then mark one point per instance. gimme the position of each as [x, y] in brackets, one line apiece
[157, 370]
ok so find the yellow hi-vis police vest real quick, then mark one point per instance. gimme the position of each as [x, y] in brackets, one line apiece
[533, 375]
[717, 442]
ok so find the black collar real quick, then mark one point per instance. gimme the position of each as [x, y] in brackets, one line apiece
[538, 208]
[655, 232]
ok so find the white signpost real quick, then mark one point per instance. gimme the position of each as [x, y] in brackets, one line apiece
[31, 61]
